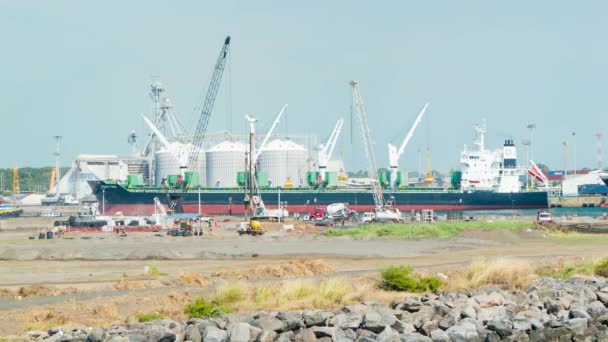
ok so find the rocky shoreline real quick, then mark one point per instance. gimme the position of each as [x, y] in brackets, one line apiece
[574, 309]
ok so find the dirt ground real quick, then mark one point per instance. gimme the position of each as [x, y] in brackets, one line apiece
[101, 278]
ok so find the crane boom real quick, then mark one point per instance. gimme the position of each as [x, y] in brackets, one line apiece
[327, 150]
[201, 127]
[394, 154]
[367, 145]
[274, 125]
[333, 139]
[410, 133]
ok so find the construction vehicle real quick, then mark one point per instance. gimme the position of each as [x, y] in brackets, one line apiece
[8, 211]
[251, 227]
[253, 198]
[59, 199]
[383, 211]
[394, 154]
[544, 216]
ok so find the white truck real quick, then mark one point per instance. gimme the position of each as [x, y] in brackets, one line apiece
[61, 199]
[382, 215]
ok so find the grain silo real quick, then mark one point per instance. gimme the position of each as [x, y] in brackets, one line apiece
[166, 164]
[224, 161]
[284, 160]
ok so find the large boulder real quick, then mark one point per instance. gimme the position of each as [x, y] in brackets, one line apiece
[239, 332]
[465, 330]
[267, 322]
[377, 320]
[503, 328]
[213, 334]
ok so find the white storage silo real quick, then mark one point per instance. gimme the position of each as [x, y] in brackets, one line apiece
[224, 161]
[283, 160]
[166, 163]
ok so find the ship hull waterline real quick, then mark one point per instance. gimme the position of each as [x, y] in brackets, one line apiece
[114, 198]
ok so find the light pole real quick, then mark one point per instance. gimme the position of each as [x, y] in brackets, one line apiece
[574, 153]
[531, 127]
[103, 200]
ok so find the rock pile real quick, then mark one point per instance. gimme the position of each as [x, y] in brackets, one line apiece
[550, 310]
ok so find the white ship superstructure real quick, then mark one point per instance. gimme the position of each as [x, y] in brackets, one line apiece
[490, 170]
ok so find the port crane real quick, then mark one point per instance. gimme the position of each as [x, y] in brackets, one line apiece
[327, 149]
[207, 107]
[253, 198]
[394, 154]
[383, 210]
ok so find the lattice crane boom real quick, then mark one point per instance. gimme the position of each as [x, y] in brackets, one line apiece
[367, 145]
[201, 127]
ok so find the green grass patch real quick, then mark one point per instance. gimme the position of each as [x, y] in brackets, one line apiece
[202, 308]
[564, 270]
[422, 230]
[155, 271]
[149, 317]
[400, 278]
[601, 268]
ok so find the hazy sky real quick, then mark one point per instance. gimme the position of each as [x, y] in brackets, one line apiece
[82, 69]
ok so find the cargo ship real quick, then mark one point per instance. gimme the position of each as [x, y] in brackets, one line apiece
[489, 180]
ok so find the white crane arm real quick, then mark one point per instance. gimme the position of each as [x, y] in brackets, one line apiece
[333, 138]
[410, 133]
[156, 132]
[274, 124]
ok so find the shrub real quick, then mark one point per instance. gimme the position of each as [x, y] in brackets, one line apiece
[399, 278]
[601, 268]
[149, 317]
[229, 294]
[154, 271]
[204, 309]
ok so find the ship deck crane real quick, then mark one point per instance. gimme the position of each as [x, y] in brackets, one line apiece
[394, 155]
[327, 150]
[201, 127]
[368, 145]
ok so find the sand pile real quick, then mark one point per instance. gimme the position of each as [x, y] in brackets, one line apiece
[297, 268]
[194, 279]
[129, 285]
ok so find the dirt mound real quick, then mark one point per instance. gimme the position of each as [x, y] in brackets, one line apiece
[129, 285]
[194, 279]
[43, 291]
[296, 268]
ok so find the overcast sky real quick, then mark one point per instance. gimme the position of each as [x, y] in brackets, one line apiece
[82, 69]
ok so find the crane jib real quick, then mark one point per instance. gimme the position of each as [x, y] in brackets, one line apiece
[214, 85]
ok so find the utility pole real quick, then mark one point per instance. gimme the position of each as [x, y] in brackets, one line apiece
[565, 144]
[57, 154]
[599, 151]
[574, 149]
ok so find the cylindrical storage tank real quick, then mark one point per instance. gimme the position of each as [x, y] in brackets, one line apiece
[224, 161]
[283, 160]
[166, 164]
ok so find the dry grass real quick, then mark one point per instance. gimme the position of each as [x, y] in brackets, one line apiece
[129, 285]
[504, 272]
[194, 279]
[296, 295]
[296, 268]
[36, 291]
